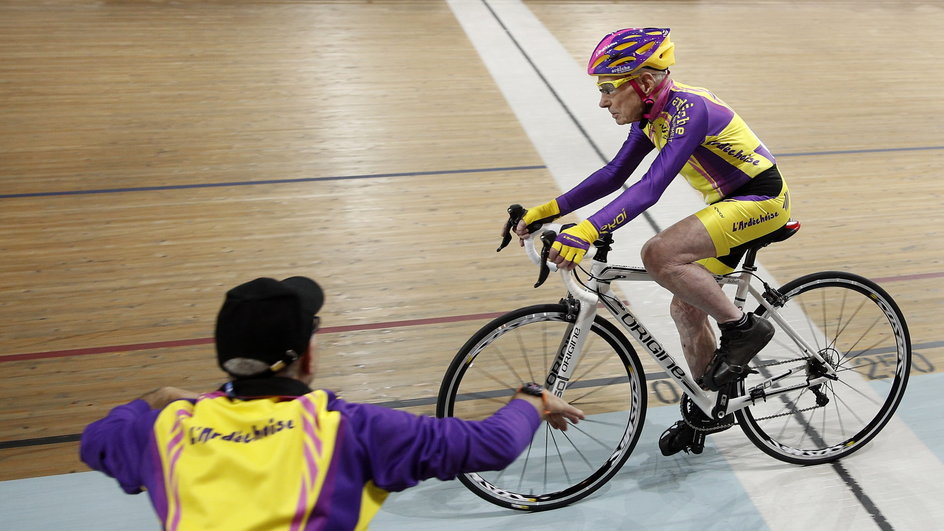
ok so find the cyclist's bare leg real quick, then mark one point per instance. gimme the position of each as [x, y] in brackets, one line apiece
[669, 257]
[696, 333]
[698, 344]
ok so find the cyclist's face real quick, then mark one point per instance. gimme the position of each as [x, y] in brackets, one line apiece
[623, 102]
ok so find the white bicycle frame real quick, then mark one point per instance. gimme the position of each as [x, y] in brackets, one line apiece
[589, 294]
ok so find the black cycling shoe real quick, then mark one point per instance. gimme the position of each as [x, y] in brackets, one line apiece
[738, 347]
[680, 436]
[689, 433]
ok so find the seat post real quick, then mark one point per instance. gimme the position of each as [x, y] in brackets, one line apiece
[749, 266]
[747, 269]
[749, 258]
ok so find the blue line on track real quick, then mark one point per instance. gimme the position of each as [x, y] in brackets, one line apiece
[272, 181]
[402, 174]
[856, 151]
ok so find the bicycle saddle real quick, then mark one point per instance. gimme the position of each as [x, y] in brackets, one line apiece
[790, 228]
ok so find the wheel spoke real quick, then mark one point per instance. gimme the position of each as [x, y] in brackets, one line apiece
[522, 348]
[850, 320]
[505, 360]
[558, 467]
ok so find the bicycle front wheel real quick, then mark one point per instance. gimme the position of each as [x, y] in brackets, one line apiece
[559, 467]
[860, 332]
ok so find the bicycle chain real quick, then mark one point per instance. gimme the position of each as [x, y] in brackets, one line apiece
[784, 362]
[790, 413]
[722, 427]
[699, 424]
[795, 360]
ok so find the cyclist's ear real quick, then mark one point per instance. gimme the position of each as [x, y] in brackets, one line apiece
[306, 364]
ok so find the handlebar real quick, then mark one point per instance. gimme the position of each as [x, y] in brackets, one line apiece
[515, 214]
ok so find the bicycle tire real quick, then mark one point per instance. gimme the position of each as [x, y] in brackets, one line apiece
[608, 384]
[861, 332]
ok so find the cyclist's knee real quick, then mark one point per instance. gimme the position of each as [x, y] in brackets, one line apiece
[662, 253]
[654, 254]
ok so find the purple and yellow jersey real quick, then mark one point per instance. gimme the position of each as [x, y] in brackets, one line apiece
[697, 135]
[305, 461]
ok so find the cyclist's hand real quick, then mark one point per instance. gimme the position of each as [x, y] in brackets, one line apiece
[571, 244]
[540, 214]
[558, 412]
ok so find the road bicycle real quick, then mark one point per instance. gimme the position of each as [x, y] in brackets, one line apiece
[826, 384]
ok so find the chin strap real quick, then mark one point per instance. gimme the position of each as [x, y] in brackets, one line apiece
[647, 99]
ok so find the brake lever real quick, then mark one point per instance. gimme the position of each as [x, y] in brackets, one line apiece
[515, 213]
[547, 238]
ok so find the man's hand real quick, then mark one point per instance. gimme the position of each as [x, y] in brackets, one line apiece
[553, 409]
[572, 244]
[558, 412]
[540, 214]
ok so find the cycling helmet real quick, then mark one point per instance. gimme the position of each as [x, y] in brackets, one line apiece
[627, 50]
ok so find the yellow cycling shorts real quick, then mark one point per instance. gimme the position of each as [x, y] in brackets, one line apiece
[732, 223]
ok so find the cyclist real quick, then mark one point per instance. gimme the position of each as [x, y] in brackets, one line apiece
[704, 140]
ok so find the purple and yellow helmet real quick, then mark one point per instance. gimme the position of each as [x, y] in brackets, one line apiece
[627, 50]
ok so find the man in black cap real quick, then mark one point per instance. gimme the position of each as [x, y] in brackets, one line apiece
[267, 452]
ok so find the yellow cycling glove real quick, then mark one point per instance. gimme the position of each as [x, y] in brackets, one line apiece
[542, 214]
[573, 243]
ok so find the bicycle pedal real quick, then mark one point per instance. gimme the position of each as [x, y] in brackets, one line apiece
[682, 436]
[697, 445]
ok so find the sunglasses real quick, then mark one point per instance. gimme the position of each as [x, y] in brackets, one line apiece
[610, 86]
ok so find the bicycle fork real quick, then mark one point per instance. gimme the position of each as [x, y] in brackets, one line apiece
[571, 345]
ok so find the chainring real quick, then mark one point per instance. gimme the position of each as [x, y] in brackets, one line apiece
[696, 418]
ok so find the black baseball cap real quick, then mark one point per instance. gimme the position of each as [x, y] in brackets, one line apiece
[265, 324]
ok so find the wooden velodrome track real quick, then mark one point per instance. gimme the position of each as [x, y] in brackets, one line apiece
[155, 154]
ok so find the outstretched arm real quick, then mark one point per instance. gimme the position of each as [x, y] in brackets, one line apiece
[404, 449]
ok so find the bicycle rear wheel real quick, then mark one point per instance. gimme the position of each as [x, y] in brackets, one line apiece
[861, 333]
[558, 467]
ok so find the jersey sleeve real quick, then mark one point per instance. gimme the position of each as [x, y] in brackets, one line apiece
[115, 444]
[688, 128]
[404, 449]
[609, 178]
